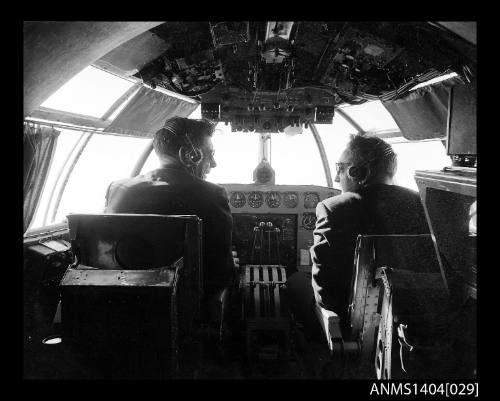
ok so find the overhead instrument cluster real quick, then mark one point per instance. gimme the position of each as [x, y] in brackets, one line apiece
[263, 76]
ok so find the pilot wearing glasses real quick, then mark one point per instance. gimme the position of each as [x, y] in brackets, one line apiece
[370, 203]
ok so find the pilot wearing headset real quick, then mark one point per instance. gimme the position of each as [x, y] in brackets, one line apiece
[370, 203]
[178, 187]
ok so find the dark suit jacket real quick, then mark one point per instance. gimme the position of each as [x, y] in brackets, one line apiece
[377, 209]
[171, 191]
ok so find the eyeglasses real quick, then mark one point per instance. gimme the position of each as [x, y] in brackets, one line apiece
[211, 154]
[340, 167]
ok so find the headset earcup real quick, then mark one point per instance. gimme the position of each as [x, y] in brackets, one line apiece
[190, 157]
[352, 172]
[196, 155]
[362, 173]
[357, 173]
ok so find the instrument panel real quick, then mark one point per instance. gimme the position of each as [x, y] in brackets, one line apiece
[261, 209]
[275, 199]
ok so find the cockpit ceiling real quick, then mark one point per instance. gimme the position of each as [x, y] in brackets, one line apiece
[351, 61]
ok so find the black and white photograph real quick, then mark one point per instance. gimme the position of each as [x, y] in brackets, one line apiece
[251, 200]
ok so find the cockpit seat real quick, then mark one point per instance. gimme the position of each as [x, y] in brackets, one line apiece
[131, 302]
[399, 318]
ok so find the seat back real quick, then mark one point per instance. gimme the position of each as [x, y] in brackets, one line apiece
[136, 286]
[394, 276]
[400, 252]
[127, 241]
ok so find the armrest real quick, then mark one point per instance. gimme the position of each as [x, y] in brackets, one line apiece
[330, 323]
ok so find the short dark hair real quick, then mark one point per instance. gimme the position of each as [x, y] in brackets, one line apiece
[172, 136]
[374, 150]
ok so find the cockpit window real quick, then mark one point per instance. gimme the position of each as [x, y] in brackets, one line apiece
[90, 93]
[371, 116]
[236, 155]
[296, 159]
[104, 158]
[417, 155]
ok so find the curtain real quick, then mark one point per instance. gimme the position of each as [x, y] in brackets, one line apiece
[423, 113]
[39, 145]
[147, 111]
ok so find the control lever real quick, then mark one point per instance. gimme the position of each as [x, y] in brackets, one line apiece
[403, 343]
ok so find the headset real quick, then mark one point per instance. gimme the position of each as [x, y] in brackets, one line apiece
[360, 172]
[193, 156]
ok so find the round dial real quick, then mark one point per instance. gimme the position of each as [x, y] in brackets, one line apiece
[237, 199]
[311, 199]
[309, 221]
[273, 199]
[255, 199]
[290, 199]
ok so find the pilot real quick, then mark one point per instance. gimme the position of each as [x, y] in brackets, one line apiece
[178, 187]
[370, 203]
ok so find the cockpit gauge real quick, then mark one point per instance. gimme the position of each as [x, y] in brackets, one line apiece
[309, 221]
[273, 199]
[237, 199]
[291, 199]
[255, 199]
[311, 199]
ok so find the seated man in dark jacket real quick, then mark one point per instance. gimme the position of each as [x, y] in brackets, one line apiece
[184, 148]
[369, 204]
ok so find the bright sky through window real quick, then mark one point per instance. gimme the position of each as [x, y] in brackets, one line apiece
[371, 116]
[91, 93]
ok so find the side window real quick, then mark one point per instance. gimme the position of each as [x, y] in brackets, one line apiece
[85, 163]
[105, 158]
[412, 156]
